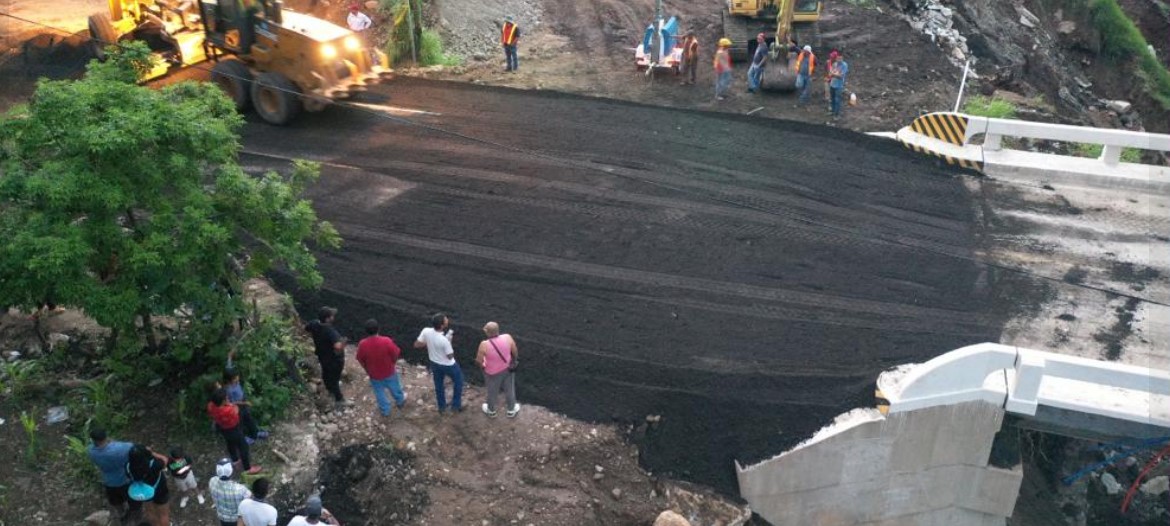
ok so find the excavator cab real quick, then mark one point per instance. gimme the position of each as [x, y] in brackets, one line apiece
[776, 19]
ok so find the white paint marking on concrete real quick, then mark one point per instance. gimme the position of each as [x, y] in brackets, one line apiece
[393, 110]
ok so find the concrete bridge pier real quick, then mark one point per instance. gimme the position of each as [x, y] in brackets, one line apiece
[922, 467]
[931, 458]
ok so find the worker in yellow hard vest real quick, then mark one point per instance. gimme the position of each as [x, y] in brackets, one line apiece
[509, 35]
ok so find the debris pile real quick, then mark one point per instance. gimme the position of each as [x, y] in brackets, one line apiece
[937, 21]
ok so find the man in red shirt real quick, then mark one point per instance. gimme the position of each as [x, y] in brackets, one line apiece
[226, 416]
[378, 355]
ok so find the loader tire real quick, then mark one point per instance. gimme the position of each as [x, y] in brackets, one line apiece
[235, 79]
[101, 34]
[276, 99]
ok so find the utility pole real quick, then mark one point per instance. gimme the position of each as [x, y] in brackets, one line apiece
[656, 40]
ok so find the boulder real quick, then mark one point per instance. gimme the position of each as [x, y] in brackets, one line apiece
[1119, 106]
[1066, 27]
[98, 518]
[1156, 485]
[670, 518]
[1112, 487]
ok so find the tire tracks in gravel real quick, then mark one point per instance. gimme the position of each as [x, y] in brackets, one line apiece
[759, 210]
[657, 279]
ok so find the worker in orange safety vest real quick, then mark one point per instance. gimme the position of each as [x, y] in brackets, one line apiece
[722, 65]
[690, 57]
[509, 35]
[805, 66]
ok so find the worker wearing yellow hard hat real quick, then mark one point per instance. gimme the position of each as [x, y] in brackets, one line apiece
[722, 68]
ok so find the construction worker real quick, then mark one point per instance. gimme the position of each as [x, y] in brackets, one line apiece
[837, 75]
[758, 60]
[722, 65]
[509, 35]
[806, 65]
[828, 75]
[357, 21]
[690, 57]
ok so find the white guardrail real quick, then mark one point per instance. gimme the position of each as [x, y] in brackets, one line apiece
[949, 135]
[1021, 380]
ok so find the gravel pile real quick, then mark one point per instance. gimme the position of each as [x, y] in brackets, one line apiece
[471, 28]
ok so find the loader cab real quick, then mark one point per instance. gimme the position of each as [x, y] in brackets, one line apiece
[232, 25]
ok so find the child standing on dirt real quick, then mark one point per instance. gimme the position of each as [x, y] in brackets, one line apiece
[179, 465]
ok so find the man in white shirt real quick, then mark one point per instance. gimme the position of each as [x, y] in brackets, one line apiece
[253, 510]
[314, 514]
[357, 20]
[437, 341]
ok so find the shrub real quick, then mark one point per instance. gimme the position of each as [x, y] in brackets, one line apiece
[29, 423]
[993, 107]
[431, 50]
[1122, 41]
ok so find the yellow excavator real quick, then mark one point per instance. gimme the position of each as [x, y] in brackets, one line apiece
[779, 21]
[272, 59]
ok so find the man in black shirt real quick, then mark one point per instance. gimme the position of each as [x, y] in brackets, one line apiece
[330, 346]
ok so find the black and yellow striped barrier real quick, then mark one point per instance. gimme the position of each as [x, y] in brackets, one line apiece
[948, 127]
[883, 403]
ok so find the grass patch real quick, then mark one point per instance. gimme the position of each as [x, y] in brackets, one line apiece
[993, 107]
[1122, 41]
[1093, 151]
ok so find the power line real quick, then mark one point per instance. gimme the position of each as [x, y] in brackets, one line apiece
[702, 195]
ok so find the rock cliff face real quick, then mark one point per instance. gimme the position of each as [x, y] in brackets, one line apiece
[1050, 48]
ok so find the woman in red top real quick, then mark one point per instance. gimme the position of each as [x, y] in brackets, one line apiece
[226, 417]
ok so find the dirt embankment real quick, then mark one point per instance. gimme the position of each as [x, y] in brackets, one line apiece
[415, 467]
[587, 48]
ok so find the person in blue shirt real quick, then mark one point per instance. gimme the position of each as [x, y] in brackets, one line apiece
[110, 457]
[236, 395]
[838, 72]
[759, 60]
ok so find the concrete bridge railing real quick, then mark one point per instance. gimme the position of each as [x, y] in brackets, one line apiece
[950, 136]
[1022, 380]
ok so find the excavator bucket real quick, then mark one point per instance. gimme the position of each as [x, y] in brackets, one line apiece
[778, 76]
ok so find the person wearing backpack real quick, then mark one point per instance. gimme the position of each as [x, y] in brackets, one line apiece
[497, 356]
[148, 484]
[111, 456]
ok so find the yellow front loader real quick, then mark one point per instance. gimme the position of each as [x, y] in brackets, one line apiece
[264, 56]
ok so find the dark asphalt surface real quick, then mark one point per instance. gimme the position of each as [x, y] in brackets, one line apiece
[746, 279]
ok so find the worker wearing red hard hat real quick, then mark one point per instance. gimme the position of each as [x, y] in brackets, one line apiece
[357, 20]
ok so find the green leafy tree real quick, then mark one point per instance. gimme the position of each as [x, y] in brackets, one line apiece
[129, 202]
